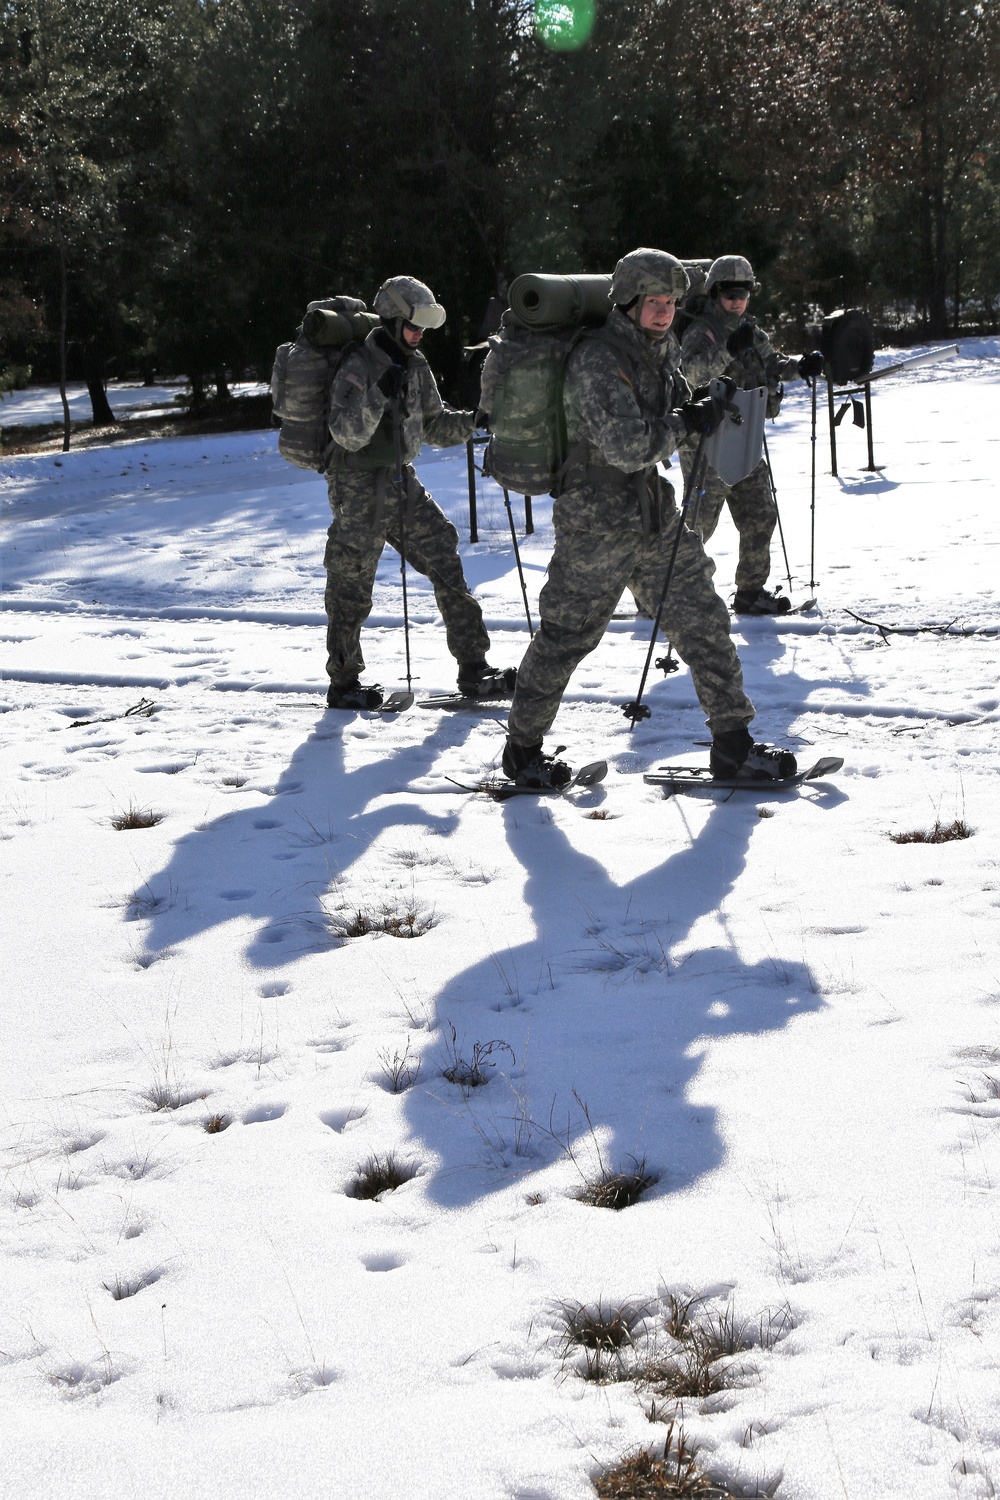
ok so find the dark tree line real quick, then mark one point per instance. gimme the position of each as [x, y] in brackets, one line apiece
[178, 179]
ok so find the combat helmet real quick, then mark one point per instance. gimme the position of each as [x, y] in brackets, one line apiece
[409, 300]
[647, 273]
[730, 270]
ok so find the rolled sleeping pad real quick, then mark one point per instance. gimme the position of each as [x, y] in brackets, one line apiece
[329, 328]
[540, 301]
[847, 342]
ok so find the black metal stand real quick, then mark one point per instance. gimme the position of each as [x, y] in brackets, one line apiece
[862, 418]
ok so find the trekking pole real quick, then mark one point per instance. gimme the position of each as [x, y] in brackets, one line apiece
[517, 559]
[777, 512]
[397, 442]
[637, 709]
[812, 505]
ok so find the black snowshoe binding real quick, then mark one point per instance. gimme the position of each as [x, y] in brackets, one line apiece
[760, 602]
[477, 679]
[352, 695]
[735, 757]
[526, 765]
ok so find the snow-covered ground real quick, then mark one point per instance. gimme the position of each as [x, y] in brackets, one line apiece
[36, 405]
[789, 1019]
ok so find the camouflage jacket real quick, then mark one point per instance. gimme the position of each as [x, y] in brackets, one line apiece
[361, 417]
[705, 357]
[619, 396]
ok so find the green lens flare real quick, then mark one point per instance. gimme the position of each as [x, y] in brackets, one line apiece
[564, 24]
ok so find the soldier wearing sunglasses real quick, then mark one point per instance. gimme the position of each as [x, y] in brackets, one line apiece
[723, 341]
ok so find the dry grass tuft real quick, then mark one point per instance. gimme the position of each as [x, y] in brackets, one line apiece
[236, 781]
[606, 1334]
[618, 1190]
[471, 1072]
[407, 921]
[135, 817]
[215, 1124]
[600, 815]
[164, 1093]
[400, 1070]
[671, 1475]
[679, 1317]
[941, 833]
[127, 1286]
[380, 1174]
[765, 812]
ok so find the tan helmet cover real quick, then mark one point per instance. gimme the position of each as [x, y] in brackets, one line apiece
[407, 298]
[647, 273]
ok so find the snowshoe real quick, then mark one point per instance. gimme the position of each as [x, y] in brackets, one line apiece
[701, 779]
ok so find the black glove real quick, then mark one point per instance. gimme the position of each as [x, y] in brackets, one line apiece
[482, 421]
[389, 381]
[740, 339]
[811, 364]
[698, 416]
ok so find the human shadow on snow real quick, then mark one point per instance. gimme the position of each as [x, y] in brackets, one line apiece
[603, 1010]
[277, 862]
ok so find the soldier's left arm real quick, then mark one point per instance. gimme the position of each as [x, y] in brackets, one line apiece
[443, 425]
[777, 367]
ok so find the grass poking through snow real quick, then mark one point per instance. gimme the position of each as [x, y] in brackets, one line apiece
[672, 1474]
[618, 1190]
[136, 817]
[941, 833]
[380, 1174]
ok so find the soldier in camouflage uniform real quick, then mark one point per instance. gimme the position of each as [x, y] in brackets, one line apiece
[386, 376]
[721, 341]
[615, 523]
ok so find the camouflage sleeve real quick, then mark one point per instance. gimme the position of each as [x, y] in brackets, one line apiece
[443, 425]
[489, 376]
[777, 367]
[703, 356]
[356, 403]
[601, 406]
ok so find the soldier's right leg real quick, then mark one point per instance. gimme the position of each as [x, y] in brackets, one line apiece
[353, 549]
[587, 573]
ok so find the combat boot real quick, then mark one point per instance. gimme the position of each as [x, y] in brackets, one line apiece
[353, 695]
[527, 765]
[477, 679]
[760, 602]
[735, 757]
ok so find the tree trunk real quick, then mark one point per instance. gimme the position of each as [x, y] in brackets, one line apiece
[103, 416]
[63, 297]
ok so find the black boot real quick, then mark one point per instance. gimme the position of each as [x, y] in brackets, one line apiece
[353, 695]
[477, 679]
[735, 756]
[760, 602]
[526, 765]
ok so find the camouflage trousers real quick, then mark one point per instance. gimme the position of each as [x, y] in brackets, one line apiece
[754, 514]
[365, 517]
[587, 573]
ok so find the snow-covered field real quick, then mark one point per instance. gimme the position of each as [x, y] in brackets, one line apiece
[127, 399]
[790, 1021]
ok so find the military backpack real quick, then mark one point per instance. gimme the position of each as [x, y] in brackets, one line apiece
[523, 376]
[303, 374]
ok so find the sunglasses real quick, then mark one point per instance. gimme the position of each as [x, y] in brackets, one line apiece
[735, 293]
